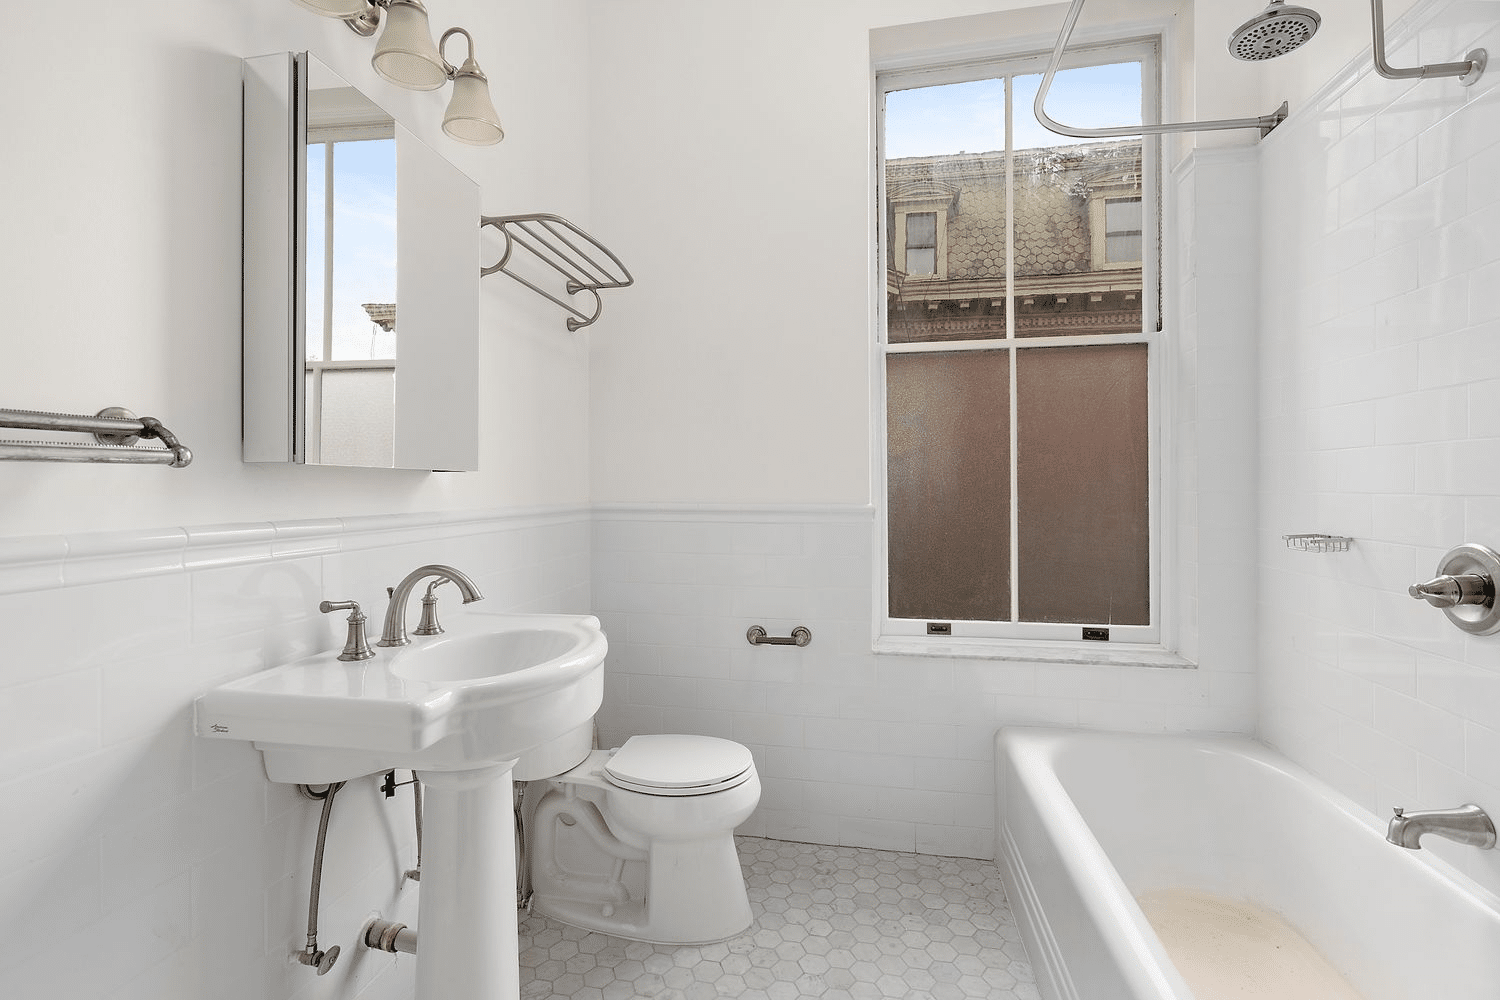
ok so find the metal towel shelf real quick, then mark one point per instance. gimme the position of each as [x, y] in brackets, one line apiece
[566, 249]
[1315, 542]
[114, 428]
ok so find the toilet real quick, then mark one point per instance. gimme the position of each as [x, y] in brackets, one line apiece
[638, 842]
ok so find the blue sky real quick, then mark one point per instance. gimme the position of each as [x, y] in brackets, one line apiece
[970, 117]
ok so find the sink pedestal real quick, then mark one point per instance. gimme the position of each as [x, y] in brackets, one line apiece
[468, 939]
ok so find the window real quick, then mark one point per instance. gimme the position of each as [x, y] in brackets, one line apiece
[1019, 343]
[1122, 231]
[921, 243]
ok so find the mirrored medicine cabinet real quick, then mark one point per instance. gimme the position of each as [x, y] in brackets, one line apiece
[361, 281]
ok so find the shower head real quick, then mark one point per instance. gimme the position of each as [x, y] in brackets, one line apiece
[1273, 32]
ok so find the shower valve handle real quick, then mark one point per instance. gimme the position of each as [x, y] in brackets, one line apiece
[1451, 591]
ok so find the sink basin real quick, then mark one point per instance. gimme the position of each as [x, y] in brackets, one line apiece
[488, 691]
[485, 654]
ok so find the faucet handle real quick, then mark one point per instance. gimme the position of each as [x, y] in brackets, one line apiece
[1450, 591]
[356, 647]
[429, 625]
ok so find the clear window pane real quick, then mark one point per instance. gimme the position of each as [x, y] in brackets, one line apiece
[921, 229]
[921, 261]
[1122, 248]
[945, 152]
[948, 417]
[364, 248]
[1082, 492]
[1123, 230]
[1063, 189]
[1123, 215]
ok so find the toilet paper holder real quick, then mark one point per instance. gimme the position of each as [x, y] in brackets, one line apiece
[757, 636]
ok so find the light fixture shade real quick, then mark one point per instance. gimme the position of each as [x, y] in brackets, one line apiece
[335, 8]
[405, 54]
[471, 115]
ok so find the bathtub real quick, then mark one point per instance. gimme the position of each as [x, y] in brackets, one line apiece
[1088, 822]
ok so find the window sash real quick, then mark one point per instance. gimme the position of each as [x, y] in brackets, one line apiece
[1146, 51]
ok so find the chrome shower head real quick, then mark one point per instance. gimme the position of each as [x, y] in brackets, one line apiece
[1273, 32]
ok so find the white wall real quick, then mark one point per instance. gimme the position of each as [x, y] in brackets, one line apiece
[1379, 384]
[120, 267]
[732, 430]
[140, 862]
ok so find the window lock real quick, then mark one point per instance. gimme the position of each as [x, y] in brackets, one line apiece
[939, 628]
[1096, 634]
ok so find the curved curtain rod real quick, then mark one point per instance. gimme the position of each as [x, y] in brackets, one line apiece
[1467, 71]
[1265, 123]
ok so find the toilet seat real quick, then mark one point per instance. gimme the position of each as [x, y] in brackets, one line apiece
[679, 765]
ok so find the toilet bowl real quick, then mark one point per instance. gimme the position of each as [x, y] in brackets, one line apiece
[638, 842]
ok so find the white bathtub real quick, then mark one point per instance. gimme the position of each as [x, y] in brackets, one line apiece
[1087, 821]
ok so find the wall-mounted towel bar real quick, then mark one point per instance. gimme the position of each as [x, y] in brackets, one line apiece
[801, 636]
[585, 263]
[114, 428]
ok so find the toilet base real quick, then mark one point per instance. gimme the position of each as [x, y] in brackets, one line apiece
[657, 868]
[695, 894]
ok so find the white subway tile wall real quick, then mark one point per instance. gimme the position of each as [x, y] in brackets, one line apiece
[854, 748]
[1379, 376]
[144, 863]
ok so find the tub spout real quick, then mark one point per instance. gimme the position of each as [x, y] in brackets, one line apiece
[1468, 824]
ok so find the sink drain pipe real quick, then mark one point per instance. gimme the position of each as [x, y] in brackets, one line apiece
[387, 935]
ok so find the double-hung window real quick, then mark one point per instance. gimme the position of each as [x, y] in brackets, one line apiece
[1019, 343]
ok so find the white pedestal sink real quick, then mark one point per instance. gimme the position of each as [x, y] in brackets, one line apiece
[460, 709]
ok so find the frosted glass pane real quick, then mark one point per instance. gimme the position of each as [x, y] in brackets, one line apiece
[948, 485]
[359, 418]
[1082, 495]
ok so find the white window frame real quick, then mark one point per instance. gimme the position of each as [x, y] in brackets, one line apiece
[1013, 639]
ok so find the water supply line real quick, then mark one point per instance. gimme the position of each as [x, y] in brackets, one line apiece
[523, 865]
[320, 960]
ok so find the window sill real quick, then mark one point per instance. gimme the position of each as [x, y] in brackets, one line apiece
[1098, 654]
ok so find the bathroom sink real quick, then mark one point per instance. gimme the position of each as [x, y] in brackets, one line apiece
[490, 689]
[466, 658]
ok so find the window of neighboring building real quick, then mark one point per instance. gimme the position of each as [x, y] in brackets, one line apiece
[1122, 231]
[921, 243]
[1019, 377]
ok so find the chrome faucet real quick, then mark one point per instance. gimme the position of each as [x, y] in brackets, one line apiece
[1468, 824]
[394, 631]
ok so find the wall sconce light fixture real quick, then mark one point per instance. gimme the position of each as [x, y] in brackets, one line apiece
[405, 55]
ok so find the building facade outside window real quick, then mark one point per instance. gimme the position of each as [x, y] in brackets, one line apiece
[1019, 346]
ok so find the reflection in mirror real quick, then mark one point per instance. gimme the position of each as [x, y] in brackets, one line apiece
[348, 216]
[350, 310]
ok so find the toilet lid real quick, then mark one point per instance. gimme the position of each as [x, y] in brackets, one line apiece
[678, 765]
